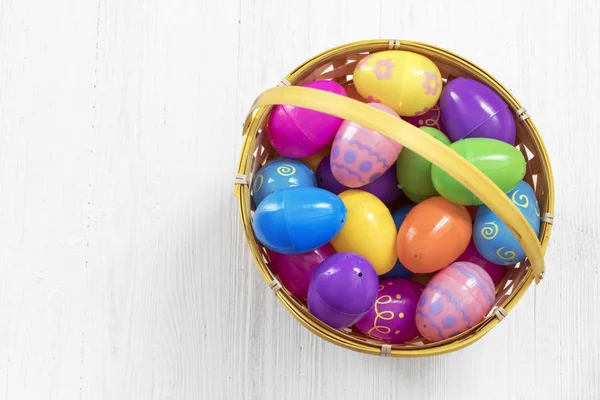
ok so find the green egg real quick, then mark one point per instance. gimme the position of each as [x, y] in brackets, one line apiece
[499, 161]
[414, 172]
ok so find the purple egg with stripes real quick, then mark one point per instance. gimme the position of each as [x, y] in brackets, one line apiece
[359, 155]
[456, 299]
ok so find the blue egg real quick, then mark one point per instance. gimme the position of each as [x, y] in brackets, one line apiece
[492, 237]
[399, 271]
[278, 174]
[298, 219]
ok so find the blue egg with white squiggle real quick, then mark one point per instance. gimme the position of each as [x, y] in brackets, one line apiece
[492, 237]
[399, 271]
[278, 174]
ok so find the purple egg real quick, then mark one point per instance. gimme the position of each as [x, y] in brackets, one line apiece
[296, 270]
[471, 109]
[385, 188]
[392, 318]
[342, 289]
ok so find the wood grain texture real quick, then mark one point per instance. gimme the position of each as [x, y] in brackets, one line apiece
[124, 273]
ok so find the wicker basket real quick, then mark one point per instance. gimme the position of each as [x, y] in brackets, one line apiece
[338, 64]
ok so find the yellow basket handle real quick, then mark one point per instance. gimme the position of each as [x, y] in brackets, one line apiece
[421, 143]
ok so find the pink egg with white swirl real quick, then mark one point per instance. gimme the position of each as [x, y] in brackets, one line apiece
[360, 155]
[456, 299]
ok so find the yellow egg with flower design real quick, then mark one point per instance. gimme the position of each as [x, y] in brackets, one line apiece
[409, 83]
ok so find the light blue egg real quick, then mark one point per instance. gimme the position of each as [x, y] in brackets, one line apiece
[492, 237]
[278, 174]
[399, 270]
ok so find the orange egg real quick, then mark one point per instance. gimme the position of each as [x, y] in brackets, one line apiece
[433, 235]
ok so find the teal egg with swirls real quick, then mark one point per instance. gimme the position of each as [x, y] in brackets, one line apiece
[491, 236]
[280, 173]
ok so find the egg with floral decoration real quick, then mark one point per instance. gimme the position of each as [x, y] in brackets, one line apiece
[492, 238]
[392, 318]
[407, 82]
[360, 155]
[456, 299]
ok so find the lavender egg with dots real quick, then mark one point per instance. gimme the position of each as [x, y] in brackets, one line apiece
[392, 318]
[343, 288]
[457, 298]
[385, 187]
[359, 155]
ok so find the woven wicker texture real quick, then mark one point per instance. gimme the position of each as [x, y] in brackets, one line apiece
[338, 64]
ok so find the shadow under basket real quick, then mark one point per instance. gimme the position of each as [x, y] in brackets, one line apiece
[338, 64]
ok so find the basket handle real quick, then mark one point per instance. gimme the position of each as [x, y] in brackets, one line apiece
[421, 143]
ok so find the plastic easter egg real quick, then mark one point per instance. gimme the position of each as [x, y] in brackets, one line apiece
[315, 160]
[456, 299]
[298, 132]
[398, 271]
[492, 237]
[368, 231]
[495, 271]
[501, 162]
[408, 82]
[359, 155]
[297, 220]
[471, 109]
[385, 188]
[278, 174]
[432, 118]
[433, 235]
[342, 289]
[392, 318]
[296, 270]
[414, 172]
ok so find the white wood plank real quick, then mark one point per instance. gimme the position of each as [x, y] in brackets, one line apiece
[124, 273]
[46, 105]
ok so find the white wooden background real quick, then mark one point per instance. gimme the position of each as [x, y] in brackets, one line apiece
[124, 273]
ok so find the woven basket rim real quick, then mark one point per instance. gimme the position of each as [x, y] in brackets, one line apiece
[253, 123]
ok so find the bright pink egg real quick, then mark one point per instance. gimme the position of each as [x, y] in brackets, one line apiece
[298, 132]
[296, 270]
[456, 299]
[495, 271]
[359, 155]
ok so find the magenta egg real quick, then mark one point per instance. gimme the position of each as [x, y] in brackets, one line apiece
[385, 188]
[295, 270]
[298, 132]
[359, 155]
[471, 109]
[456, 299]
[471, 254]
[392, 318]
[343, 288]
